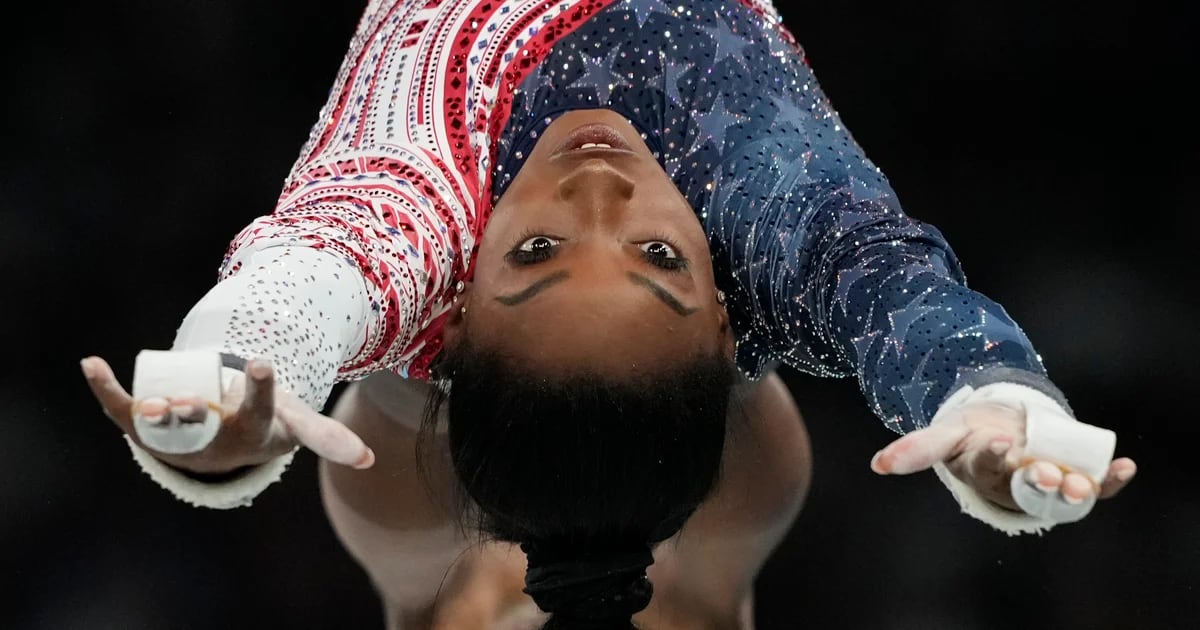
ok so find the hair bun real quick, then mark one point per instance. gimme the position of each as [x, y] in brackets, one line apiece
[608, 587]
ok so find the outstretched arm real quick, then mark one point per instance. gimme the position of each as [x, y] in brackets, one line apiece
[833, 276]
[839, 281]
[357, 262]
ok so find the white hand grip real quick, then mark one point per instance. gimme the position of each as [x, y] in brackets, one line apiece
[164, 374]
[1053, 436]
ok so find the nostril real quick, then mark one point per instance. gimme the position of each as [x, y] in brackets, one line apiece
[567, 189]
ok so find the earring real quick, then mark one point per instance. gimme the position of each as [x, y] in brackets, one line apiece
[720, 297]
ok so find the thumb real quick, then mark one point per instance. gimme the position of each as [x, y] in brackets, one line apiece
[326, 437]
[920, 449]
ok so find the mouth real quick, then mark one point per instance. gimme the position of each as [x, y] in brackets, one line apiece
[593, 140]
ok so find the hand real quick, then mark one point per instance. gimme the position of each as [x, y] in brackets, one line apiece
[259, 423]
[983, 447]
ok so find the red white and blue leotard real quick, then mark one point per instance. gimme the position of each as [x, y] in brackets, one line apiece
[437, 103]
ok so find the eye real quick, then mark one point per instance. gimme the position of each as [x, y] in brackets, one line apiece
[659, 249]
[537, 243]
[662, 254]
[533, 249]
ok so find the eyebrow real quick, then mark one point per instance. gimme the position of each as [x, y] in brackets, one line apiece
[559, 276]
[662, 294]
[533, 289]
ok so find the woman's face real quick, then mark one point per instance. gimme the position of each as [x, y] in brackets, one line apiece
[593, 259]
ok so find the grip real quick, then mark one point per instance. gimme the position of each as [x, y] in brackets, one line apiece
[166, 374]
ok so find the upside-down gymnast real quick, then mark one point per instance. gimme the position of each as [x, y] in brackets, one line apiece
[560, 247]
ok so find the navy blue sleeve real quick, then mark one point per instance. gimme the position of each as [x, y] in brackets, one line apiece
[826, 271]
[828, 274]
[836, 284]
[823, 269]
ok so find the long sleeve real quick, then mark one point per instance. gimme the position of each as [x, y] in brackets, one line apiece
[385, 184]
[303, 309]
[824, 269]
[395, 175]
[829, 273]
[377, 220]
[846, 284]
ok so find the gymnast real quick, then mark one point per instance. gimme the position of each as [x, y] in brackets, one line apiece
[559, 249]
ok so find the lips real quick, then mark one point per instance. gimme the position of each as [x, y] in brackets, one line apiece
[593, 139]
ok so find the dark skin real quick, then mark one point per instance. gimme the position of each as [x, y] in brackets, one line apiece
[608, 223]
[597, 212]
[602, 293]
[619, 250]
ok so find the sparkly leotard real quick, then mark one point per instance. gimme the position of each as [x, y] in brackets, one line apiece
[438, 103]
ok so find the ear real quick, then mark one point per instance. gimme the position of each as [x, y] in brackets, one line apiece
[728, 339]
[452, 329]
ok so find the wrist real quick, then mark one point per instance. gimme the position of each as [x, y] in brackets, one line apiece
[216, 476]
[236, 491]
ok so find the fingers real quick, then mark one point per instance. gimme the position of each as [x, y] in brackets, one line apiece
[1044, 476]
[114, 400]
[157, 410]
[326, 437]
[258, 407]
[920, 449]
[187, 408]
[1048, 491]
[1076, 488]
[1041, 489]
[1120, 473]
[1050, 479]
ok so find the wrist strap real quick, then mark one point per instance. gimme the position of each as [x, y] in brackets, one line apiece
[238, 491]
[233, 361]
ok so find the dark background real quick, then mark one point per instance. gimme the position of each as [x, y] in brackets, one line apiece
[1053, 145]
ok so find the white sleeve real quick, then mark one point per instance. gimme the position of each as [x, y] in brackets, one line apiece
[305, 311]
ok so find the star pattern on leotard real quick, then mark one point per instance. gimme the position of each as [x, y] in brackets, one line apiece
[719, 119]
[643, 10]
[904, 318]
[727, 42]
[600, 74]
[974, 330]
[914, 394]
[845, 281]
[675, 72]
[862, 345]
[793, 115]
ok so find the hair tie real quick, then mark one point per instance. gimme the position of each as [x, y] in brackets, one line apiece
[605, 587]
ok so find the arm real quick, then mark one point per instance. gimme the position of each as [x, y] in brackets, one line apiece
[380, 189]
[881, 296]
[351, 271]
[837, 280]
[287, 302]
[404, 528]
[371, 230]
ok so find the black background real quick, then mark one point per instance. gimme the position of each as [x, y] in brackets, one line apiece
[1053, 145]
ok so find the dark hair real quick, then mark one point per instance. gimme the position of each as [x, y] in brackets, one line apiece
[586, 473]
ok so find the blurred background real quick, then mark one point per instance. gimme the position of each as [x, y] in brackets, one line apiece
[1054, 145]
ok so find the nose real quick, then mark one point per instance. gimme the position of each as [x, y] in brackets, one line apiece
[595, 186]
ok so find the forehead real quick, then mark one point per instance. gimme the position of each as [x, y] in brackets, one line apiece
[615, 325]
